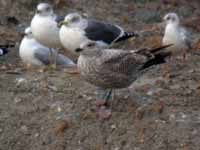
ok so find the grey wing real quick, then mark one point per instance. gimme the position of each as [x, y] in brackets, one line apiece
[100, 31]
[43, 56]
[63, 60]
[187, 37]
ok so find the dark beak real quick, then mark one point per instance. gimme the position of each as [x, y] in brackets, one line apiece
[78, 50]
[23, 34]
[37, 11]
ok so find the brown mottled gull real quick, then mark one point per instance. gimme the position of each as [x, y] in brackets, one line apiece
[115, 68]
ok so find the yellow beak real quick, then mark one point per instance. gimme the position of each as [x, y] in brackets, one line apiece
[60, 24]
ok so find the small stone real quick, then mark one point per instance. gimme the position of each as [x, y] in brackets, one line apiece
[17, 100]
[113, 126]
[59, 109]
[172, 117]
[126, 96]
[24, 128]
[104, 113]
[61, 126]
[53, 88]
[36, 134]
[20, 81]
[89, 98]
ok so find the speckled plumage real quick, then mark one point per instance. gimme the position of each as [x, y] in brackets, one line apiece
[114, 68]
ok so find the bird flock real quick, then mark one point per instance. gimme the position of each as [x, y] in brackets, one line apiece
[92, 39]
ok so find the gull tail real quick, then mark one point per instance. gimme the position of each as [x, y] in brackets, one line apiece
[7, 45]
[126, 36]
[156, 57]
[150, 52]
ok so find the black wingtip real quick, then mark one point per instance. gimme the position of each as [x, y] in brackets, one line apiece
[154, 50]
[127, 35]
[158, 59]
[7, 45]
[3, 51]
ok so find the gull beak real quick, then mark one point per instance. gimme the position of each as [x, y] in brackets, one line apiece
[23, 34]
[37, 11]
[60, 24]
[78, 50]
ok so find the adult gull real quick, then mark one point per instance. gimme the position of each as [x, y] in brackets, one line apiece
[176, 34]
[35, 54]
[76, 29]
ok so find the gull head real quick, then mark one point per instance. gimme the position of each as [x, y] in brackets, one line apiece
[88, 46]
[171, 18]
[71, 20]
[28, 32]
[44, 9]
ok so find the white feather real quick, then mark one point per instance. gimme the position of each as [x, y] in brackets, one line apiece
[45, 30]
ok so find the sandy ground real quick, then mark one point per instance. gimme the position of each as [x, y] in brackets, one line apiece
[55, 110]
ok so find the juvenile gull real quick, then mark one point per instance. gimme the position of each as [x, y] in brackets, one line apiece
[44, 26]
[36, 54]
[115, 68]
[76, 29]
[177, 35]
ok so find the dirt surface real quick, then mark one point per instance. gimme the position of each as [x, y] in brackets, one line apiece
[55, 110]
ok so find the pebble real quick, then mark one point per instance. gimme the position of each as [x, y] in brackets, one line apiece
[24, 128]
[20, 81]
[17, 100]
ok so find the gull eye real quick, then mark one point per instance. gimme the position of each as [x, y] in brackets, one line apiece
[168, 18]
[90, 45]
[48, 9]
[38, 11]
[173, 19]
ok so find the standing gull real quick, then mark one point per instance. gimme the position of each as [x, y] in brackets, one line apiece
[176, 35]
[76, 29]
[115, 68]
[44, 26]
[33, 53]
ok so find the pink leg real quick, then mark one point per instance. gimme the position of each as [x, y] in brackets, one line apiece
[104, 113]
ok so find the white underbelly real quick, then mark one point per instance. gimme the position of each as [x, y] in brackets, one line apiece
[71, 38]
[178, 44]
[46, 33]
